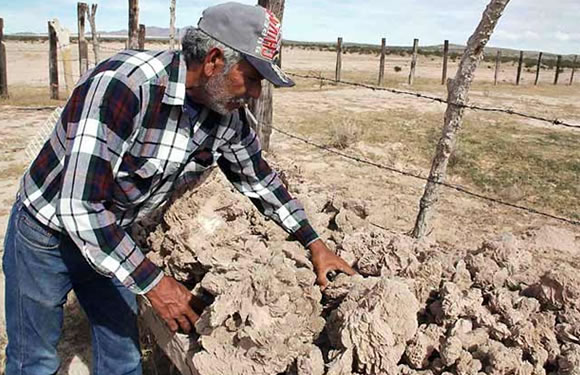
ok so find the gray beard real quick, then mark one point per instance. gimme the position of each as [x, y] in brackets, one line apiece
[218, 97]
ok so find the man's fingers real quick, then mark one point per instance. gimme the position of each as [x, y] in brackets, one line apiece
[322, 281]
[191, 316]
[344, 267]
[184, 324]
[173, 326]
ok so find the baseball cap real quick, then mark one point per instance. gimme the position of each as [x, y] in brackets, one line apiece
[253, 31]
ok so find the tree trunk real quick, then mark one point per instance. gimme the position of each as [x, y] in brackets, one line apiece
[95, 37]
[458, 93]
[133, 41]
[262, 107]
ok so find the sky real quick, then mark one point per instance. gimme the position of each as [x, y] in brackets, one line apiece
[549, 26]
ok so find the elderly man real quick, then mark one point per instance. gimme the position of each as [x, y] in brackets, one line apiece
[136, 128]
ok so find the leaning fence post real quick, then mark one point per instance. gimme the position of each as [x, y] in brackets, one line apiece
[262, 108]
[573, 70]
[458, 89]
[172, 25]
[3, 70]
[445, 61]
[382, 62]
[497, 67]
[142, 35]
[558, 63]
[95, 37]
[337, 73]
[82, 9]
[538, 67]
[52, 61]
[520, 64]
[133, 41]
[413, 61]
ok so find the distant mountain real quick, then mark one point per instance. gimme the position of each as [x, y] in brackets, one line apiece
[151, 31]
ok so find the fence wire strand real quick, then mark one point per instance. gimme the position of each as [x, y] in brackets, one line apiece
[426, 179]
[555, 121]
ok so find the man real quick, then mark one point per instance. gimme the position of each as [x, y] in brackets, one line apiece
[136, 128]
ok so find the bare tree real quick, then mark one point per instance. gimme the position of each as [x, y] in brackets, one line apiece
[458, 89]
[94, 35]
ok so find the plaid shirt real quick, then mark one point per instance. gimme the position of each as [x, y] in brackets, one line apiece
[127, 138]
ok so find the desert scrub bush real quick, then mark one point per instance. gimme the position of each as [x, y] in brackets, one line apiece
[397, 69]
[344, 133]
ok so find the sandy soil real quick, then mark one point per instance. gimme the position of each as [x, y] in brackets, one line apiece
[392, 199]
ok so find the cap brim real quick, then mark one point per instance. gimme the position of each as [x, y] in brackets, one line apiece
[270, 71]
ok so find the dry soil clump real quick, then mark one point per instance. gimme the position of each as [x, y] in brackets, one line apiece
[417, 307]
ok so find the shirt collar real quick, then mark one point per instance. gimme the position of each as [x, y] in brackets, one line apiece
[175, 91]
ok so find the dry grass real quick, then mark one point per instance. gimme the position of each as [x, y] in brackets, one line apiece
[31, 97]
[496, 155]
[345, 133]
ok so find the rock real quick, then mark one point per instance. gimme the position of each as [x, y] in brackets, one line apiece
[425, 342]
[375, 321]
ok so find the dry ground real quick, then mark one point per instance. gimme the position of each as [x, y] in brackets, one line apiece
[517, 160]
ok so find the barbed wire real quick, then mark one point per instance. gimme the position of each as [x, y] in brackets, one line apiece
[458, 188]
[555, 121]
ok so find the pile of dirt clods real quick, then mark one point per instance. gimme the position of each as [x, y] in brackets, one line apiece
[510, 306]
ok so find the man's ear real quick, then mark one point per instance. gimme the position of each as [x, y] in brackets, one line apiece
[214, 62]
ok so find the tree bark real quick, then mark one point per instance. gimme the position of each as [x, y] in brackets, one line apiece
[52, 61]
[142, 35]
[338, 71]
[94, 35]
[520, 65]
[82, 10]
[445, 61]
[458, 94]
[172, 25]
[382, 62]
[133, 41]
[538, 68]
[413, 61]
[3, 70]
[262, 107]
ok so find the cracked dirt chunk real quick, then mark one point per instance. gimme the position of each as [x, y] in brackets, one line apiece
[265, 315]
[569, 362]
[375, 321]
[381, 252]
[485, 272]
[451, 350]
[425, 342]
[559, 288]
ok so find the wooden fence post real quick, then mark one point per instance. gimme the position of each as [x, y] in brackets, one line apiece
[573, 70]
[497, 67]
[142, 35]
[94, 36]
[172, 25]
[445, 61]
[538, 68]
[337, 73]
[82, 9]
[52, 61]
[133, 41]
[520, 64]
[382, 62]
[3, 70]
[263, 108]
[558, 63]
[458, 89]
[413, 61]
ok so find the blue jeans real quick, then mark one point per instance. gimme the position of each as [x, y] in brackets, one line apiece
[41, 267]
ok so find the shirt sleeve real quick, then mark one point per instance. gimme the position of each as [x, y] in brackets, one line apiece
[242, 163]
[99, 120]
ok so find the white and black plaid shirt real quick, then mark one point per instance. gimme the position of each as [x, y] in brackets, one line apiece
[126, 139]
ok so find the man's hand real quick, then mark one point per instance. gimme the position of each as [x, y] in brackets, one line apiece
[325, 261]
[174, 304]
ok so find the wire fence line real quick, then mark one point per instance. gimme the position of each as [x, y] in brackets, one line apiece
[555, 122]
[458, 188]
